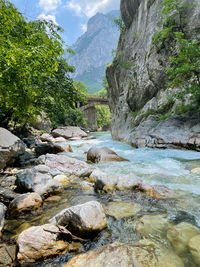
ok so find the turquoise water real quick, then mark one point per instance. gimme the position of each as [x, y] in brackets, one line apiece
[157, 166]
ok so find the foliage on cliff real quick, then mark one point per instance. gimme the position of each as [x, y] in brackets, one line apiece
[33, 74]
[184, 70]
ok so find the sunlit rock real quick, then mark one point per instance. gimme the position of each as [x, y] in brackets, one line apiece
[62, 178]
[194, 247]
[149, 225]
[179, 235]
[127, 182]
[68, 132]
[96, 155]
[40, 242]
[102, 181]
[64, 164]
[25, 203]
[120, 210]
[85, 219]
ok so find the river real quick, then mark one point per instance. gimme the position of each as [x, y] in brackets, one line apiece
[168, 167]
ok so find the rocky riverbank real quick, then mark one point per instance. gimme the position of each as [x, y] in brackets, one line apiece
[56, 205]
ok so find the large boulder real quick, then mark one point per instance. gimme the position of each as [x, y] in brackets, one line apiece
[25, 203]
[2, 216]
[96, 155]
[10, 147]
[69, 132]
[85, 219]
[42, 183]
[40, 242]
[117, 254]
[194, 247]
[179, 235]
[64, 164]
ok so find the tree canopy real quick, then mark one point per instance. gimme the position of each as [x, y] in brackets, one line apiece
[33, 71]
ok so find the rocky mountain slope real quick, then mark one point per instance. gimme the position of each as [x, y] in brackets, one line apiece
[138, 95]
[93, 50]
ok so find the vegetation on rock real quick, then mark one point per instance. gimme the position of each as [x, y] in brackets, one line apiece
[184, 70]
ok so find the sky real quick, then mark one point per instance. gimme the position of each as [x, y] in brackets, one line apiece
[71, 15]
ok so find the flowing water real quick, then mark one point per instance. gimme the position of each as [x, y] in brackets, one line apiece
[164, 167]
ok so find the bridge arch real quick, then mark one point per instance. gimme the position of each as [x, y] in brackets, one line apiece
[90, 112]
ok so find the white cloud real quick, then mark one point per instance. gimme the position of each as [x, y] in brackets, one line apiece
[90, 7]
[48, 18]
[84, 27]
[49, 5]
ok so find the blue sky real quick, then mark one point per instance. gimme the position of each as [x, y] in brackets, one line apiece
[71, 15]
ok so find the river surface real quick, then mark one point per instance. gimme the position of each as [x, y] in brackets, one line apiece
[156, 166]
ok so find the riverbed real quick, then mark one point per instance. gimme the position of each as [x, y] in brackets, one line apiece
[168, 167]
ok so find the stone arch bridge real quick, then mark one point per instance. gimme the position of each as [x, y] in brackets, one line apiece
[90, 112]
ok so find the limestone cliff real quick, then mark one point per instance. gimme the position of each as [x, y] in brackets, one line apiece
[137, 80]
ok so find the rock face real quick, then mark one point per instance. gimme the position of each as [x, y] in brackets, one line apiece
[137, 80]
[94, 49]
[85, 219]
[118, 254]
[69, 132]
[104, 154]
[40, 242]
[25, 203]
[10, 147]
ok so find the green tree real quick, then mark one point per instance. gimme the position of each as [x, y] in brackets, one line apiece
[103, 115]
[30, 52]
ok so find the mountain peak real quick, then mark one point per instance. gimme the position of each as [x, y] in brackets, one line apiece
[93, 50]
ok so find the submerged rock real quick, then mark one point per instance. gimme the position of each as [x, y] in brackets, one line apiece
[10, 147]
[194, 247]
[179, 235]
[118, 254]
[68, 132]
[85, 219]
[155, 225]
[41, 183]
[2, 216]
[25, 203]
[40, 242]
[96, 155]
[120, 210]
